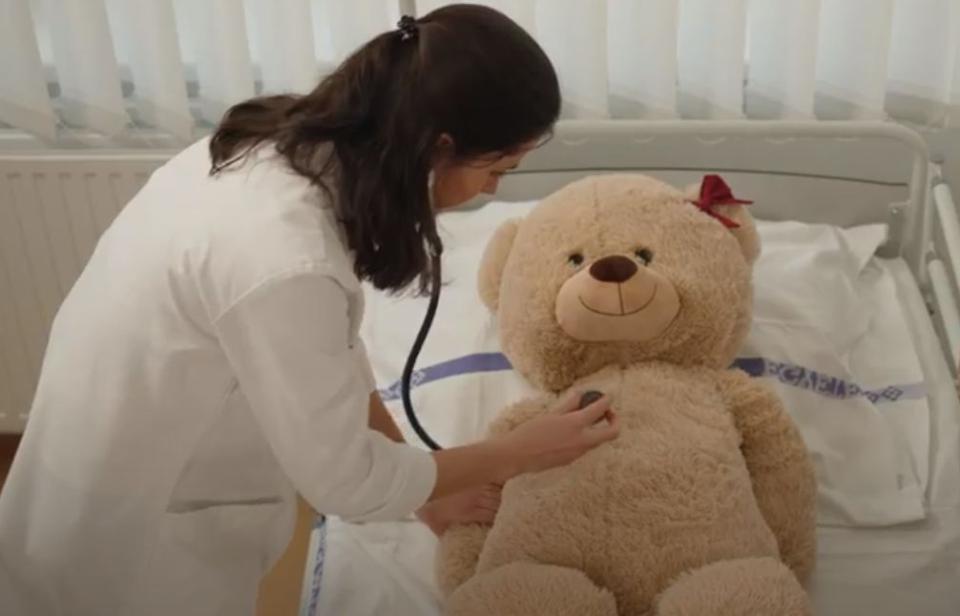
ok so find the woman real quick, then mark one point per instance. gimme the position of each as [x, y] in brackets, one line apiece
[205, 367]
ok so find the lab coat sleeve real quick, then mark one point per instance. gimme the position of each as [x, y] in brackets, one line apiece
[288, 342]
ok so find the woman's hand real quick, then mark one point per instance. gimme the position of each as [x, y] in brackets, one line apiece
[478, 505]
[560, 437]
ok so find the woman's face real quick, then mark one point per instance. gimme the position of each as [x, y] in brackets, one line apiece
[457, 181]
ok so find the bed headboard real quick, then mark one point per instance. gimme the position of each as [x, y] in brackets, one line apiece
[841, 173]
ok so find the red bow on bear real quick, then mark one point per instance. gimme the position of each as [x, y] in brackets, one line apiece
[713, 192]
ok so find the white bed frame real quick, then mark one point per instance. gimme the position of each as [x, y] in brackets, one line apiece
[840, 173]
[55, 203]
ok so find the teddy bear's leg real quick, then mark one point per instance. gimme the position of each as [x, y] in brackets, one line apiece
[744, 587]
[531, 589]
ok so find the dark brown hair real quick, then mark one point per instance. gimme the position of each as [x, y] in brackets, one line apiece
[368, 133]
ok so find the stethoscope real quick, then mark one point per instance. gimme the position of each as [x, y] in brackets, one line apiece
[435, 251]
[405, 382]
[586, 399]
[415, 350]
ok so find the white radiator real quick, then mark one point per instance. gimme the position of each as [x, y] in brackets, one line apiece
[52, 211]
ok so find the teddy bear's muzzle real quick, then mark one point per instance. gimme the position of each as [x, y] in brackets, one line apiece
[614, 299]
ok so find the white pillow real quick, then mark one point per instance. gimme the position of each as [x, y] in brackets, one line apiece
[820, 323]
[822, 320]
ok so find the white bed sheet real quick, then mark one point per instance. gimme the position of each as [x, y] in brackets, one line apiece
[828, 335]
[912, 569]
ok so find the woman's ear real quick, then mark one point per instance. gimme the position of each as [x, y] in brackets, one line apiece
[745, 232]
[443, 148]
[494, 262]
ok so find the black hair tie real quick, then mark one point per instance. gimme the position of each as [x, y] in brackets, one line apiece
[408, 27]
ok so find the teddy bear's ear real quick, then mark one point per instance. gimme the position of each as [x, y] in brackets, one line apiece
[494, 261]
[745, 232]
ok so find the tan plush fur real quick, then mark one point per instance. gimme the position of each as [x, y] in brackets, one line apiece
[705, 503]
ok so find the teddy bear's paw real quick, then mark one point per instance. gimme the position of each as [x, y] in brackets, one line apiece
[744, 587]
[531, 589]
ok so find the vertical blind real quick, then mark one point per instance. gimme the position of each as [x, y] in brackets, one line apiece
[111, 66]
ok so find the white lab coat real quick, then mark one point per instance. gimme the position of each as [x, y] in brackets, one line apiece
[203, 369]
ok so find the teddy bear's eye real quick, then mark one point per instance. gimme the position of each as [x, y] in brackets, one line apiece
[645, 255]
[576, 259]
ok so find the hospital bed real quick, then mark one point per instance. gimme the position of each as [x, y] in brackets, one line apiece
[857, 329]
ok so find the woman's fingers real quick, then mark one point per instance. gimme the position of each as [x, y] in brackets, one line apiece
[480, 516]
[493, 489]
[489, 498]
[490, 503]
[570, 402]
[603, 432]
[594, 412]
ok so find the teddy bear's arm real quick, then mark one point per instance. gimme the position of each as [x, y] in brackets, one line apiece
[461, 545]
[780, 468]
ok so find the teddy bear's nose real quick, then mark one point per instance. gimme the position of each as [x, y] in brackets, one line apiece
[613, 269]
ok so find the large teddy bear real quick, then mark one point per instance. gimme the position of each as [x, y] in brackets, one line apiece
[705, 504]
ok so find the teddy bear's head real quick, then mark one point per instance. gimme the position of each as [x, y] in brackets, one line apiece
[620, 269]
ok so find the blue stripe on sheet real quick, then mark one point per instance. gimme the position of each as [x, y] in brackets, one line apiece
[318, 561]
[785, 372]
[469, 364]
